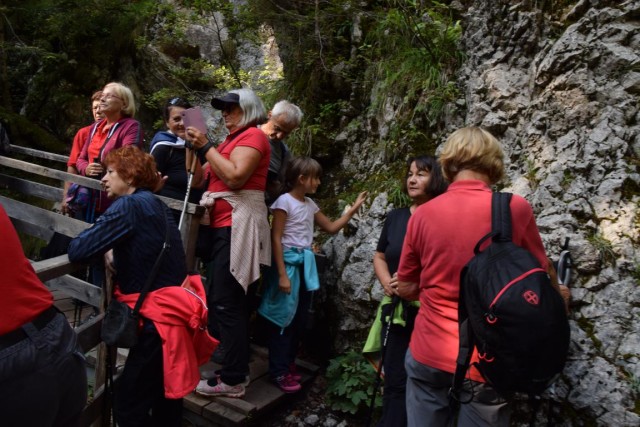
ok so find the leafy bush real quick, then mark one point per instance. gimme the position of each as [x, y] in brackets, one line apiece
[350, 383]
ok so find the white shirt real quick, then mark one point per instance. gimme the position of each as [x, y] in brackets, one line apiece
[298, 228]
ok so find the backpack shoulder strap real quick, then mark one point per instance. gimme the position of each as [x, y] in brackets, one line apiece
[501, 217]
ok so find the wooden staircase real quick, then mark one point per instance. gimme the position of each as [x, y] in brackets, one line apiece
[261, 396]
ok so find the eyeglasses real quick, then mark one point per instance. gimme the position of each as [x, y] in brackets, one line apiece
[108, 97]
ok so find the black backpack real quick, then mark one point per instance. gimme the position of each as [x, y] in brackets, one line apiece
[509, 310]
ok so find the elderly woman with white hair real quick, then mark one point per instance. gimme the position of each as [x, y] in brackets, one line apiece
[117, 129]
[238, 167]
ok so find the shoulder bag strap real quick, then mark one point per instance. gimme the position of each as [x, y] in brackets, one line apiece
[501, 217]
[156, 267]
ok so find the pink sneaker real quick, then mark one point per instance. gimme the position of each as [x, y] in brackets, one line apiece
[293, 372]
[220, 389]
[287, 384]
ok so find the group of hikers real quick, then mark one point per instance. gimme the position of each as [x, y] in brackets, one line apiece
[260, 224]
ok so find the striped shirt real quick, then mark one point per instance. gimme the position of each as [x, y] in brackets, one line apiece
[134, 227]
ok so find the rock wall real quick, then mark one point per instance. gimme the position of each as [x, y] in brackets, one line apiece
[560, 89]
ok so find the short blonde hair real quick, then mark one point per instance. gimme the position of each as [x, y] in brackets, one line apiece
[125, 94]
[472, 148]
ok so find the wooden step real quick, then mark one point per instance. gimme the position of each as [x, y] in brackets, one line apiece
[261, 395]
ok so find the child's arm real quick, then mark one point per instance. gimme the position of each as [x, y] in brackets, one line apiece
[334, 226]
[277, 229]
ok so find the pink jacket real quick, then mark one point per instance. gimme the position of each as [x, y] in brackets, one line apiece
[126, 131]
[179, 313]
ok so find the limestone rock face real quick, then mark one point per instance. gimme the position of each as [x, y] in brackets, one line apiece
[560, 89]
[562, 96]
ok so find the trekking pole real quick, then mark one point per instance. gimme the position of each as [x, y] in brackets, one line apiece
[192, 170]
[383, 350]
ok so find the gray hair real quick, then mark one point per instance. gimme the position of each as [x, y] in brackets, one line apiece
[252, 107]
[129, 109]
[290, 113]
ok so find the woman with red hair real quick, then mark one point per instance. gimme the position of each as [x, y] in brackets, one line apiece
[131, 234]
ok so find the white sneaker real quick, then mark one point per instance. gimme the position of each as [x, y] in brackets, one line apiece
[215, 374]
[220, 389]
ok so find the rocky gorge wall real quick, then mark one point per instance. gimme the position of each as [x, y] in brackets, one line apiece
[561, 93]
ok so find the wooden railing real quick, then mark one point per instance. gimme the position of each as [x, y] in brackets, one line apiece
[55, 272]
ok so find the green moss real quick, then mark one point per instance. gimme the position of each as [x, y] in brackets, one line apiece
[604, 248]
[630, 189]
[567, 178]
[587, 326]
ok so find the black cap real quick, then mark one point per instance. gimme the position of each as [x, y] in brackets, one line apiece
[222, 102]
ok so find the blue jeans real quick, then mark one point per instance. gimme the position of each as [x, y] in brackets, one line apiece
[46, 369]
[428, 400]
[284, 343]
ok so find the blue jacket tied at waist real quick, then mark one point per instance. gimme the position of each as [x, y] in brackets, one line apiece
[279, 307]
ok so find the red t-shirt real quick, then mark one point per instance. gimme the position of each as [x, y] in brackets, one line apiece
[251, 137]
[78, 142]
[98, 140]
[23, 296]
[440, 238]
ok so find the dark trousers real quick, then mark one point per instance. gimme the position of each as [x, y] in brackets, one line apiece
[284, 343]
[229, 305]
[43, 378]
[140, 389]
[394, 407]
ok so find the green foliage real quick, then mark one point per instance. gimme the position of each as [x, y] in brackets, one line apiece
[57, 53]
[350, 383]
[635, 273]
[532, 173]
[604, 248]
[567, 178]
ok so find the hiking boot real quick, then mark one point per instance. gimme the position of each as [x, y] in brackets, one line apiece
[220, 389]
[293, 373]
[287, 384]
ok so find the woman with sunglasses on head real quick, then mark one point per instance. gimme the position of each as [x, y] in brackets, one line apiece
[173, 159]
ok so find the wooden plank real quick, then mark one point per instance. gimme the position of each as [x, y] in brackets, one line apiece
[51, 268]
[89, 333]
[238, 405]
[49, 172]
[37, 153]
[92, 411]
[258, 367]
[76, 288]
[175, 204]
[195, 403]
[41, 232]
[263, 394]
[223, 415]
[43, 191]
[34, 215]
